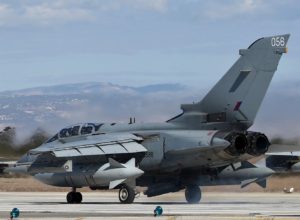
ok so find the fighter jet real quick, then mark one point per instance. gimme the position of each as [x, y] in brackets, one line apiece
[207, 144]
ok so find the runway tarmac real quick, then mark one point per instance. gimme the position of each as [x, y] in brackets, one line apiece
[101, 205]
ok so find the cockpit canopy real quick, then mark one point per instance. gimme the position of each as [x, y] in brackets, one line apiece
[76, 130]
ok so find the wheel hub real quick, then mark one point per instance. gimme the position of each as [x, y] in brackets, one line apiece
[124, 194]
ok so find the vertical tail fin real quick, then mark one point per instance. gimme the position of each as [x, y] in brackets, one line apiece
[238, 95]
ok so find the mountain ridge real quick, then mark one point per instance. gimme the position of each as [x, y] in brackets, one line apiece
[90, 87]
[54, 107]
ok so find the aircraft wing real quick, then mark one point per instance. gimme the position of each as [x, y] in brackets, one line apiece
[195, 150]
[190, 149]
[192, 142]
[117, 143]
[283, 158]
[283, 150]
[286, 153]
[60, 158]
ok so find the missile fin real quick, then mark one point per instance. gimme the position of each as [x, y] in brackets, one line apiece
[262, 183]
[245, 183]
[246, 164]
[131, 162]
[114, 164]
[114, 183]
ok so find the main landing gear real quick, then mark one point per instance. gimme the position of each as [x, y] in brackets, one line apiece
[126, 194]
[74, 197]
[192, 194]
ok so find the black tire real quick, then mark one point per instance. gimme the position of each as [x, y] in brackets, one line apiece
[126, 194]
[74, 197]
[71, 197]
[193, 194]
[78, 197]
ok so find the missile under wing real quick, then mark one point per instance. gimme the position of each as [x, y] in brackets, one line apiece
[207, 144]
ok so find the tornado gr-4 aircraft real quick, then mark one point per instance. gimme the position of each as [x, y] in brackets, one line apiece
[207, 144]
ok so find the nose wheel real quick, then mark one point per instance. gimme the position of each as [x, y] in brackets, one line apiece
[126, 194]
[74, 197]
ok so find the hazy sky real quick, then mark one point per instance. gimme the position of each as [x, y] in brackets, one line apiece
[137, 42]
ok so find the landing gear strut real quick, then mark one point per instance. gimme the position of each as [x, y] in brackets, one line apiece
[126, 194]
[192, 194]
[74, 197]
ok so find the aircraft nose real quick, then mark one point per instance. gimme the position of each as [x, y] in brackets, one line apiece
[26, 158]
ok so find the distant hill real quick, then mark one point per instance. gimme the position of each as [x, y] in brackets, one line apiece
[90, 88]
[54, 107]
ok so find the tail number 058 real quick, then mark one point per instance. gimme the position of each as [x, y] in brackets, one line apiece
[277, 41]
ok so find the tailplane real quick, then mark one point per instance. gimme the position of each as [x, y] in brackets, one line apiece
[238, 95]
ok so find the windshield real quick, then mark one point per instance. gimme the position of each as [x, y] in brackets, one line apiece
[76, 130]
[69, 131]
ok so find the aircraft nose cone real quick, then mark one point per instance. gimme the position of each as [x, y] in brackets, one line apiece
[130, 172]
[138, 172]
[268, 171]
[264, 172]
